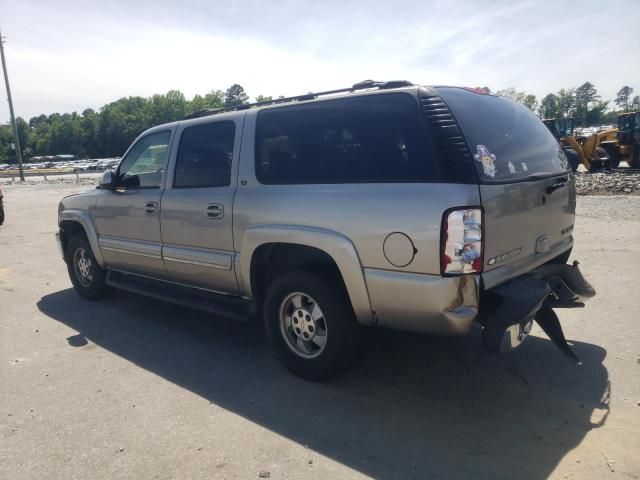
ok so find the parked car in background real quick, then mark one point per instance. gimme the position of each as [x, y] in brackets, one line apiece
[426, 209]
[1, 207]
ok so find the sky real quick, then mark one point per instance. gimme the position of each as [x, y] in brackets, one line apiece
[66, 55]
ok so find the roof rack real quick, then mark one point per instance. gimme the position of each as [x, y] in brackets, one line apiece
[300, 98]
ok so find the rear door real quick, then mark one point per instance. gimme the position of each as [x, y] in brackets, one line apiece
[197, 205]
[526, 187]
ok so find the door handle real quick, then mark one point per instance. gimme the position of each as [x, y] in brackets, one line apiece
[556, 186]
[215, 210]
[151, 208]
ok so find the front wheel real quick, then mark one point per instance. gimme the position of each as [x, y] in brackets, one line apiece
[87, 277]
[310, 324]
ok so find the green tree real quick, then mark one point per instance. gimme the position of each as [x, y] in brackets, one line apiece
[234, 96]
[166, 108]
[549, 106]
[596, 114]
[635, 104]
[215, 99]
[528, 100]
[586, 94]
[566, 102]
[262, 98]
[622, 98]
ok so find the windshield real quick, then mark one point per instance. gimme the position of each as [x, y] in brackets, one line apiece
[508, 142]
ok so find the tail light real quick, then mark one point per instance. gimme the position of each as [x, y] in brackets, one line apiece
[461, 241]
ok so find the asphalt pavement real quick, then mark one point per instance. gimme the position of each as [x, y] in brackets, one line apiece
[129, 387]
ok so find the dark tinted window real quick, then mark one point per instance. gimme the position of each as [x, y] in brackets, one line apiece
[205, 154]
[507, 140]
[378, 138]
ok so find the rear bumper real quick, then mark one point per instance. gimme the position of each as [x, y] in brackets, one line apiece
[450, 305]
[423, 303]
[508, 311]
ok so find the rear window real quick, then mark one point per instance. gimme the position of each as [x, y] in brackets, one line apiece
[377, 138]
[507, 140]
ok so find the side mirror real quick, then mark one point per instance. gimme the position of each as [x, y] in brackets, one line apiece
[108, 180]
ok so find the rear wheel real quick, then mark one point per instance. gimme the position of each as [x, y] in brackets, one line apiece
[87, 277]
[1, 214]
[310, 324]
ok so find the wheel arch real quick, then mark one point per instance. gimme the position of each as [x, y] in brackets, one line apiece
[75, 222]
[267, 250]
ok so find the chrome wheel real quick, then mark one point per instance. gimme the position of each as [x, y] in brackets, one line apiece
[83, 267]
[303, 325]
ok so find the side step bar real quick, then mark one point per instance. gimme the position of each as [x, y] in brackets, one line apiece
[216, 303]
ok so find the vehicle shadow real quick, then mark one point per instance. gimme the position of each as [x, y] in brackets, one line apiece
[413, 406]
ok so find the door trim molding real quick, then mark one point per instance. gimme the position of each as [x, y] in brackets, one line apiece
[203, 257]
[193, 262]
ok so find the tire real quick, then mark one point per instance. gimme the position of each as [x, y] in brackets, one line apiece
[86, 275]
[601, 162]
[635, 159]
[328, 333]
[1, 214]
[573, 157]
[613, 153]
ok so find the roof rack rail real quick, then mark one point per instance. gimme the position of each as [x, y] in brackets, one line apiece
[300, 98]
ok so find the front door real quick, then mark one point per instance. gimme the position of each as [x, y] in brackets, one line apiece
[128, 218]
[197, 207]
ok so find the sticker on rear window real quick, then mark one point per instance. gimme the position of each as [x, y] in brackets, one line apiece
[487, 159]
[512, 168]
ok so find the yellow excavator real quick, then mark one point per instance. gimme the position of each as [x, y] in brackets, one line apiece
[578, 149]
[626, 145]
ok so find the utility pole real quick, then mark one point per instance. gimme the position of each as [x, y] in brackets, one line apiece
[13, 117]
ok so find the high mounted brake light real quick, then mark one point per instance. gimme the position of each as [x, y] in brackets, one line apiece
[461, 241]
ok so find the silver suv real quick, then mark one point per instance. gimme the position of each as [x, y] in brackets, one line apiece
[385, 204]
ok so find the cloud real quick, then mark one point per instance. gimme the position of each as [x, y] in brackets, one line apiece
[69, 55]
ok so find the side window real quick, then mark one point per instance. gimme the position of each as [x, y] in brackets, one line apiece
[205, 155]
[144, 164]
[376, 138]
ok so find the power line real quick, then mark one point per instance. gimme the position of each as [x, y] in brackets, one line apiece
[13, 117]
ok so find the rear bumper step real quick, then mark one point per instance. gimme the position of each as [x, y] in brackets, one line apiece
[507, 312]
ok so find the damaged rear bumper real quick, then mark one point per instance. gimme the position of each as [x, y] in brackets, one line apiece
[507, 311]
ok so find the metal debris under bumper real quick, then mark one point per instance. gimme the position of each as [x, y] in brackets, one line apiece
[507, 312]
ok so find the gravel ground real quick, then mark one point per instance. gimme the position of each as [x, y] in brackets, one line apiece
[621, 182]
[130, 387]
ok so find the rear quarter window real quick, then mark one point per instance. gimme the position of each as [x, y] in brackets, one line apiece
[365, 139]
[507, 140]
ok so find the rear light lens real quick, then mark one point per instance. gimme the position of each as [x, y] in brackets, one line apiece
[461, 241]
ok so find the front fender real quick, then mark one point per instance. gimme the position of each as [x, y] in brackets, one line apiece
[337, 246]
[84, 219]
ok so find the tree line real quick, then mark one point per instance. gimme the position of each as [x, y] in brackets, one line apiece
[109, 131]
